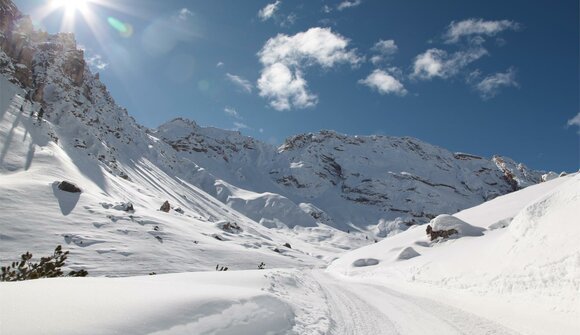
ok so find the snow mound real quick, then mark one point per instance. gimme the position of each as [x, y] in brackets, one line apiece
[407, 253]
[448, 222]
[530, 263]
[365, 262]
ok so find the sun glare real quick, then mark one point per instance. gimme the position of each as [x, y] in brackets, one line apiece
[72, 5]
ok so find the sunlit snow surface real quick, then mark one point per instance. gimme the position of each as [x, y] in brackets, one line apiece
[520, 279]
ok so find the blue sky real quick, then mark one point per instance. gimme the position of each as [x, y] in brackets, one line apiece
[484, 77]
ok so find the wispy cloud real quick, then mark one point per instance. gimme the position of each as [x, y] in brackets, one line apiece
[477, 27]
[219, 64]
[239, 126]
[184, 14]
[384, 83]
[243, 84]
[269, 10]
[285, 57]
[232, 112]
[383, 49]
[348, 4]
[95, 62]
[438, 63]
[490, 86]
[575, 121]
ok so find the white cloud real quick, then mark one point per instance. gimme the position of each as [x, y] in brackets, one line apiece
[239, 126]
[490, 85]
[96, 62]
[232, 112]
[384, 49]
[285, 89]
[288, 20]
[219, 64]
[384, 83]
[477, 27]
[575, 121]
[269, 10]
[438, 63]
[284, 58]
[348, 4]
[326, 9]
[315, 46]
[184, 14]
[242, 83]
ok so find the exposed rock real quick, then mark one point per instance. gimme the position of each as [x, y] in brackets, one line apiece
[165, 207]
[445, 226]
[365, 262]
[287, 245]
[230, 227]
[74, 67]
[68, 187]
[440, 233]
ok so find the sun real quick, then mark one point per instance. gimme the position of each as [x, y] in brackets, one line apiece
[71, 5]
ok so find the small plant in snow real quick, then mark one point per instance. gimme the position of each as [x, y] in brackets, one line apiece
[48, 267]
[261, 266]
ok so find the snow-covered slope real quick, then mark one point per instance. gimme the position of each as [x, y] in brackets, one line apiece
[528, 257]
[520, 279]
[59, 122]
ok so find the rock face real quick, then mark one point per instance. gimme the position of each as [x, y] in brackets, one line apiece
[32, 52]
[68, 187]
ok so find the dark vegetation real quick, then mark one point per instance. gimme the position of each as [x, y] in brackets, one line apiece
[48, 267]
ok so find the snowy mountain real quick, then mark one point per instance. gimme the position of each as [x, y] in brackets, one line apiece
[349, 180]
[59, 122]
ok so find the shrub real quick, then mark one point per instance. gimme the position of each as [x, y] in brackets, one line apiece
[48, 267]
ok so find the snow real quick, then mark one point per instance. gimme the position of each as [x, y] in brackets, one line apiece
[525, 276]
[200, 303]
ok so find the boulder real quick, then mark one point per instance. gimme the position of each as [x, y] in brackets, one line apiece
[165, 207]
[68, 187]
[445, 226]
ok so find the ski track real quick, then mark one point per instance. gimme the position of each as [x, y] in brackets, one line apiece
[361, 308]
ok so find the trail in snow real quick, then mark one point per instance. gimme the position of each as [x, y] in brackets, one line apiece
[362, 308]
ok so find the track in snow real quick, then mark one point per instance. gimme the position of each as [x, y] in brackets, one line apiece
[360, 309]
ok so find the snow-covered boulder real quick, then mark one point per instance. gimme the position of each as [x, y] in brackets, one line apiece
[407, 253]
[365, 262]
[448, 223]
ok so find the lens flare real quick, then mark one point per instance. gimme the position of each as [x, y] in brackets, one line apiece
[124, 29]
